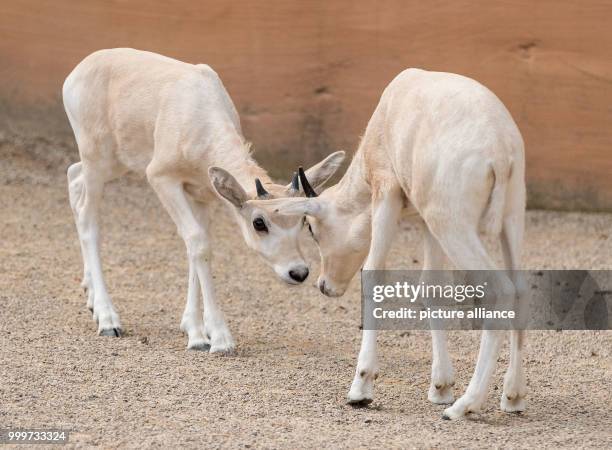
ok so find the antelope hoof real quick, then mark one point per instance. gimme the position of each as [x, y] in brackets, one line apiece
[362, 388]
[200, 345]
[359, 403]
[512, 403]
[465, 405]
[441, 393]
[222, 343]
[513, 396]
[442, 382]
[113, 332]
[223, 351]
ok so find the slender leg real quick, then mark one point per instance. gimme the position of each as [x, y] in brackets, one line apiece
[362, 388]
[192, 322]
[442, 372]
[76, 195]
[466, 251]
[195, 234]
[476, 392]
[385, 217]
[515, 385]
[212, 316]
[87, 224]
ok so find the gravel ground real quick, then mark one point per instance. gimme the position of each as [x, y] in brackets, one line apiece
[286, 386]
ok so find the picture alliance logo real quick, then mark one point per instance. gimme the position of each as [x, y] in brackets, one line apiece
[425, 291]
[528, 299]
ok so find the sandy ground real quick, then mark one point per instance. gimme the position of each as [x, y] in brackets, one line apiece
[286, 386]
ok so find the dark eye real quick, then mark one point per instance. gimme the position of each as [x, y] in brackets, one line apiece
[260, 225]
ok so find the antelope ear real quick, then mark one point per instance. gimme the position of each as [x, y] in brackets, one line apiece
[320, 173]
[227, 187]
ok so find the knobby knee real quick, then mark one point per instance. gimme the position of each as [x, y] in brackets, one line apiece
[73, 171]
[75, 193]
[198, 246]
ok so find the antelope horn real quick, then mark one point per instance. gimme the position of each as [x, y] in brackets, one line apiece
[308, 190]
[261, 192]
[295, 182]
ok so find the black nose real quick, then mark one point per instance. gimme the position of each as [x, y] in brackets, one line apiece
[299, 275]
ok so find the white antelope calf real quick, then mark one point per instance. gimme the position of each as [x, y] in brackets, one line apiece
[445, 147]
[137, 111]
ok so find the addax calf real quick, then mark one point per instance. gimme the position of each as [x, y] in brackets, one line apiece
[138, 111]
[447, 148]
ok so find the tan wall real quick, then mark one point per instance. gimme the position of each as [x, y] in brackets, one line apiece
[306, 75]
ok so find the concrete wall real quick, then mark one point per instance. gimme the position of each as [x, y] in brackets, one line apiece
[306, 75]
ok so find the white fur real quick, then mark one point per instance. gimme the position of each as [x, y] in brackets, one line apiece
[138, 111]
[445, 147]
